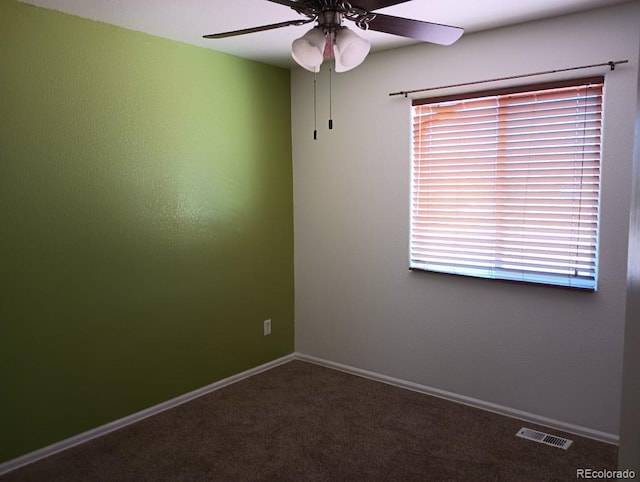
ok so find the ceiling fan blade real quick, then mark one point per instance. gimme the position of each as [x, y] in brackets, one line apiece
[416, 29]
[370, 5]
[288, 3]
[262, 28]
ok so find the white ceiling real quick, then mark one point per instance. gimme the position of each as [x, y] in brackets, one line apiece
[188, 20]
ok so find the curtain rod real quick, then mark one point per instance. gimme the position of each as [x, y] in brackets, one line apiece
[611, 64]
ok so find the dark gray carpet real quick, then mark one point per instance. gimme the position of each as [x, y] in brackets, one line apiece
[301, 422]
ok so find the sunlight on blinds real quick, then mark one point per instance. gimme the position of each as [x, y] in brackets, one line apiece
[507, 186]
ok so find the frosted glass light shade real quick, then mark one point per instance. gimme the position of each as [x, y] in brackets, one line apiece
[308, 50]
[350, 50]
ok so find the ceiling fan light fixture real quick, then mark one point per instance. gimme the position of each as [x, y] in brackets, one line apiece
[308, 50]
[349, 49]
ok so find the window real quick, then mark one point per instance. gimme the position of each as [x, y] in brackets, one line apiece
[506, 184]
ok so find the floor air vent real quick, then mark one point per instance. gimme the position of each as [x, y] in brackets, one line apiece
[544, 438]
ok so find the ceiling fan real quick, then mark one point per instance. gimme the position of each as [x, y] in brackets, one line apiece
[330, 39]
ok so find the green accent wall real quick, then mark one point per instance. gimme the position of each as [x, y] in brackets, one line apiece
[146, 222]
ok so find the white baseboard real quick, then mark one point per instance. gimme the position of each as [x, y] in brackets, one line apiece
[473, 402]
[136, 417]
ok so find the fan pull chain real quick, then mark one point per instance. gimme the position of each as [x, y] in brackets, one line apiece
[330, 95]
[315, 106]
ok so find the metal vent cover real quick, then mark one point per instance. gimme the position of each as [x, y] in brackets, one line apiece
[544, 438]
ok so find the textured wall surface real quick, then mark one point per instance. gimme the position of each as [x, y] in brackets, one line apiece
[146, 222]
[551, 352]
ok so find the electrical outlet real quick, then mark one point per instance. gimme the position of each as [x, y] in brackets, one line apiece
[267, 327]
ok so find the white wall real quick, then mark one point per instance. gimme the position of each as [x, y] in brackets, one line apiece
[552, 352]
[630, 418]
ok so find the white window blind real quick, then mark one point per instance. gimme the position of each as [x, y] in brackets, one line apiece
[507, 185]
